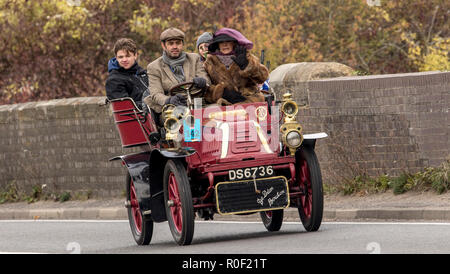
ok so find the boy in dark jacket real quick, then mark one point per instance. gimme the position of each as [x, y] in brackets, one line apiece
[126, 78]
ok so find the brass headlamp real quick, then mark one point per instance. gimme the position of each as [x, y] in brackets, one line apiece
[165, 110]
[178, 112]
[171, 124]
[289, 107]
[291, 130]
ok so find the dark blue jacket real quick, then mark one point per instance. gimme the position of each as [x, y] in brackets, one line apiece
[132, 82]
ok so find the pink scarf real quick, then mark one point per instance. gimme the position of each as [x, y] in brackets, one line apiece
[225, 59]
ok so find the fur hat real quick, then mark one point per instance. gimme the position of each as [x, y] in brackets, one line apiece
[214, 44]
[227, 34]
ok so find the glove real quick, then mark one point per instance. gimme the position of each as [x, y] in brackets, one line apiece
[199, 82]
[177, 100]
[241, 57]
[232, 96]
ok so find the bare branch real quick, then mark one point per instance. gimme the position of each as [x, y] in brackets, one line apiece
[431, 26]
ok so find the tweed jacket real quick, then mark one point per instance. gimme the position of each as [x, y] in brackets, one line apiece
[161, 79]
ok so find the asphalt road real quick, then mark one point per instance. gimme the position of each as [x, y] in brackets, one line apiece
[70, 236]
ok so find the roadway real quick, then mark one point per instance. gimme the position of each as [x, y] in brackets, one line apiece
[225, 237]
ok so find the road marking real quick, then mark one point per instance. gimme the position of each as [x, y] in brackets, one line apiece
[230, 222]
[1, 252]
[387, 223]
[63, 221]
[332, 223]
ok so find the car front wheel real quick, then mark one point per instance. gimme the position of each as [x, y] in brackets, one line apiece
[178, 202]
[309, 179]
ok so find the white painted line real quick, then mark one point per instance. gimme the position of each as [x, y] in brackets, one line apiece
[330, 223]
[387, 223]
[63, 221]
[21, 253]
[230, 222]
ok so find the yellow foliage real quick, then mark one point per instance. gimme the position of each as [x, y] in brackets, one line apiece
[270, 25]
[433, 56]
[69, 17]
[143, 21]
[437, 57]
[66, 43]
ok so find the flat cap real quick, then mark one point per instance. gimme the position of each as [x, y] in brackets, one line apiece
[172, 33]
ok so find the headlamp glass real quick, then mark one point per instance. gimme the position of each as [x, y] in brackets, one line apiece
[172, 125]
[290, 108]
[293, 139]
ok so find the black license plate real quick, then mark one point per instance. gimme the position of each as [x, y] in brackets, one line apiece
[252, 195]
[250, 173]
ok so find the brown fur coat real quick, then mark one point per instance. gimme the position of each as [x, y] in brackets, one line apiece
[244, 81]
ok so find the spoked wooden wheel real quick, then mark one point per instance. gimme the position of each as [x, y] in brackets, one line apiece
[141, 229]
[309, 179]
[178, 202]
[273, 219]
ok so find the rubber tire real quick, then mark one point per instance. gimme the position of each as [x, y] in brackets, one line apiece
[274, 222]
[185, 236]
[312, 222]
[145, 236]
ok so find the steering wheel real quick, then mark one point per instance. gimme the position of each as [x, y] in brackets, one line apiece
[184, 87]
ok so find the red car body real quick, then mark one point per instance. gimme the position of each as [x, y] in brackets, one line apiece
[235, 149]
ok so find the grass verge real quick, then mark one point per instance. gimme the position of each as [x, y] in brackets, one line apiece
[11, 194]
[431, 178]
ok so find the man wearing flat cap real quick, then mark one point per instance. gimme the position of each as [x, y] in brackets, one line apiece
[173, 67]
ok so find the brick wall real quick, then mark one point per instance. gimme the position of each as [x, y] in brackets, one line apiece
[64, 144]
[383, 124]
[377, 124]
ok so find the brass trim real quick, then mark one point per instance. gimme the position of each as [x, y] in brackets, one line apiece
[261, 113]
[256, 210]
[288, 127]
[171, 134]
[289, 102]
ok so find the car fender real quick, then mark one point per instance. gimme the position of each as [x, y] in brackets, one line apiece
[310, 139]
[182, 152]
[138, 166]
[146, 170]
[147, 182]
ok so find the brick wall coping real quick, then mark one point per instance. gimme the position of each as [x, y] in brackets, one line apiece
[385, 76]
[54, 102]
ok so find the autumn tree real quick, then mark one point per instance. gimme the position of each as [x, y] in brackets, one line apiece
[372, 39]
[60, 48]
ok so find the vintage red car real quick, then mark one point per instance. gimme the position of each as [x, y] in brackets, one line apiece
[199, 161]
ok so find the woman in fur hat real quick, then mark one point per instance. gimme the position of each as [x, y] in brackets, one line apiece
[235, 73]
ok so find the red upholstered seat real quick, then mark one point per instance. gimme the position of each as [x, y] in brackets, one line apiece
[130, 123]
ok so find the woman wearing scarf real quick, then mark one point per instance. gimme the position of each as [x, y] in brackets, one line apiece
[235, 73]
